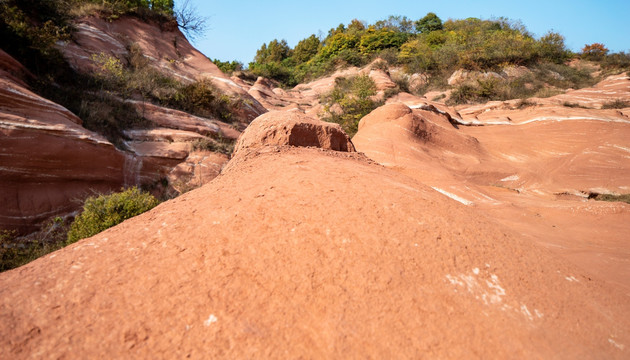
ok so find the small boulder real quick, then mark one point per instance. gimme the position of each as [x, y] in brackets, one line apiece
[292, 128]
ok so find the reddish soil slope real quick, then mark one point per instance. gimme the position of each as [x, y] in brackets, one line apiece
[530, 169]
[298, 251]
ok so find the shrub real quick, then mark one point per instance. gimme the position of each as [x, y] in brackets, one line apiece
[380, 65]
[354, 98]
[616, 104]
[524, 103]
[220, 145]
[551, 48]
[610, 197]
[402, 82]
[17, 250]
[573, 105]
[463, 94]
[563, 76]
[228, 67]
[102, 212]
[274, 70]
[617, 62]
[595, 51]
[203, 99]
[417, 56]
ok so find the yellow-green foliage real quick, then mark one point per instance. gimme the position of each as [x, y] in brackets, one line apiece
[353, 96]
[429, 46]
[104, 211]
[611, 197]
[18, 250]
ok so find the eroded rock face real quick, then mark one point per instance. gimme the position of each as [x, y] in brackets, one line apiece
[50, 163]
[166, 49]
[199, 168]
[295, 129]
[48, 158]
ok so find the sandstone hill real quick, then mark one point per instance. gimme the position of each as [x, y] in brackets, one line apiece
[306, 251]
[469, 231]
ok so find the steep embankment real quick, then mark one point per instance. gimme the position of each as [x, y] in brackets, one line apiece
[50, 160]
[167, 49]
[297, 251]
[47, 157]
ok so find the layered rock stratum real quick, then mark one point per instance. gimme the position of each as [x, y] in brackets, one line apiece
[50, 162]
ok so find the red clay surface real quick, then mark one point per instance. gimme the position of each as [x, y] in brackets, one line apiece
[309, 252]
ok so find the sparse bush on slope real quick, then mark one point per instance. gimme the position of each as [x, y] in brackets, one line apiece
[352, 98]
[99, 213]
[16, 250]
[102, 212]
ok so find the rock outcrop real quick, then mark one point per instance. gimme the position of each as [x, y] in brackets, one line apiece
[167, 49]
[50, 161]
[48, 158]
[530, 169]
[295, 129]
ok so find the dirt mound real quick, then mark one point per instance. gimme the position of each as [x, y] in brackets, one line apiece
[421, 142]
[301, 251]
[292, 128]
[530, 169]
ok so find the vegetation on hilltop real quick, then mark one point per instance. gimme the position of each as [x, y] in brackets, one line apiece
[436, 49]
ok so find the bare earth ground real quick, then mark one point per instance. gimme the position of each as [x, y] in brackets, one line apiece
[300, 252]
[296, 251]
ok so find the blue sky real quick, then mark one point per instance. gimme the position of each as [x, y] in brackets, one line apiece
[236, 29]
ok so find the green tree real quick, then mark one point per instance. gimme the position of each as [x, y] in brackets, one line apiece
[396, 23]
[275, 51]
[339, 42]
[376, 40]
[430, 22]
[306, 49]
[551, 47]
